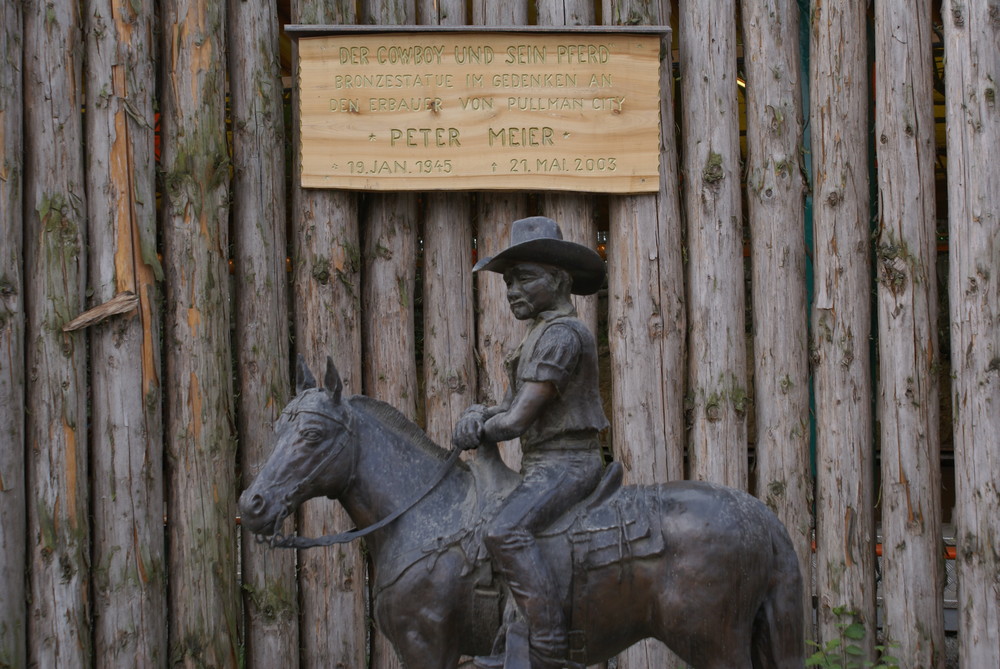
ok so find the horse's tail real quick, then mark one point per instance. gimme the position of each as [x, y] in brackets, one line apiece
[778, 637]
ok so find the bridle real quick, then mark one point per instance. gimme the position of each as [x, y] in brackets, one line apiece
[347, 430]
[295, 541]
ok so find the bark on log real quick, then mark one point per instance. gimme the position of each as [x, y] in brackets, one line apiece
[646, 315]
[498, 333]
[388, 285]
[326, 307]
[13, 512]
[130, 598]
[973, 68]
[389, 240]
[262, 336]
[776, 207]
[717, 393]
[905, 254]
[573, 211]
[449, 367]
[55, 281]
[845, 549]
[204, 599]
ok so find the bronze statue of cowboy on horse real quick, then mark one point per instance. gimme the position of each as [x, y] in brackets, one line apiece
[590, 566]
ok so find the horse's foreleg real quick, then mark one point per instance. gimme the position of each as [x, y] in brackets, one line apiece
[418, 652]
[418, 613]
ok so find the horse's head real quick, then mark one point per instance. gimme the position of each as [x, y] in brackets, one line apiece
[313, 455]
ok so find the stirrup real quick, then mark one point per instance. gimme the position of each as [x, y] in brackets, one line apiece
[488, 661]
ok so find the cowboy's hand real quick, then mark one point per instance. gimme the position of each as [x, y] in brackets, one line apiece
[469, 430]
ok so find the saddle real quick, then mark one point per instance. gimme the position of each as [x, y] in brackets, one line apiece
[614, 524]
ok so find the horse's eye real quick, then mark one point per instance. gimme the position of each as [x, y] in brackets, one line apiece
[312, 435]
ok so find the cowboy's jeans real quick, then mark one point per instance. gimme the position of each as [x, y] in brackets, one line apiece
[554, 480]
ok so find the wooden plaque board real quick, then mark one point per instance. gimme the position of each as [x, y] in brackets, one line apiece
[448, 110]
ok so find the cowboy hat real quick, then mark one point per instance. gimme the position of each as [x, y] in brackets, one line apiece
[538, 239]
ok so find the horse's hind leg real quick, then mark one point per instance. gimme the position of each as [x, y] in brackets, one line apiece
[778, 636]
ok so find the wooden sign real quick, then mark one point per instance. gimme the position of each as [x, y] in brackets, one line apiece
[488, 111]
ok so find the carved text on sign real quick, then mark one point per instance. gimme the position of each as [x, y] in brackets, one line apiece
[492, 111]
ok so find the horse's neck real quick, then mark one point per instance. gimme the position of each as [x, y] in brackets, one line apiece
[390, 472]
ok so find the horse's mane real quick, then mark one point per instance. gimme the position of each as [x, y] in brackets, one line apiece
[392, 418]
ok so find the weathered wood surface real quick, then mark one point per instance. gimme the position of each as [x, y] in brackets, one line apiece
[497, 333]
[776, 208]
[13, 512]
[905, 256]
[573, 211]
[468, 119]
[449, 328]
[449, 365]
[122, 586]
[717, 392]
[388, 289]
[441, 13]
[204, 606]
[55, 241]
[972, 69]
[270, 596]
[130, 579]
[327, 321]
[389, 258]
[845, 542]
[646, 315]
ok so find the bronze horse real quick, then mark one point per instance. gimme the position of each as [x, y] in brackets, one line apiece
[708, 570]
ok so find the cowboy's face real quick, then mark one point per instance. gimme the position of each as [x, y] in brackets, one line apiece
[531, 289]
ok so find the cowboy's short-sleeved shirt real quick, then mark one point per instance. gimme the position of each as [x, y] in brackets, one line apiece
[560, 349]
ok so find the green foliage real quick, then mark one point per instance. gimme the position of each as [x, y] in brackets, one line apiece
[844, 652]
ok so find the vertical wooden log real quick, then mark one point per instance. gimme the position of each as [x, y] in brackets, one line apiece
[776, 207]
[573, 211]
[845, 549]
[498, 333]
[389, 240]
[448, 306]
[448, 300]
[913, 616]
[717, 392]
[326, 307]
[204, 601]
[13, 512]
[55, 280]
[127, 462]
[971, 75]
[262, 336]
[646, 315]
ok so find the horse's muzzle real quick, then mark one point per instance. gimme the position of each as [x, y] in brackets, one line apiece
[257, 515]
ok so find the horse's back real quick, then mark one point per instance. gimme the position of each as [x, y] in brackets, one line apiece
[692, 562]
[713, 518]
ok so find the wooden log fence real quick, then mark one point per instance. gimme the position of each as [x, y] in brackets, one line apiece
[905, 255]
[841, 321]
[201, 267]
[129, 573]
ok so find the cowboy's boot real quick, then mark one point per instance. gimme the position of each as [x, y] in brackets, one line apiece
[529, 578]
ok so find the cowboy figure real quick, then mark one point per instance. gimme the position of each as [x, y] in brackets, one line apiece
[553, 405]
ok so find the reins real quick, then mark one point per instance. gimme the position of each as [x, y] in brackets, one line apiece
[296, 541]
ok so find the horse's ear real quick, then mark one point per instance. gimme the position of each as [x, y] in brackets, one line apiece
[304, 380]
[332, 381]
